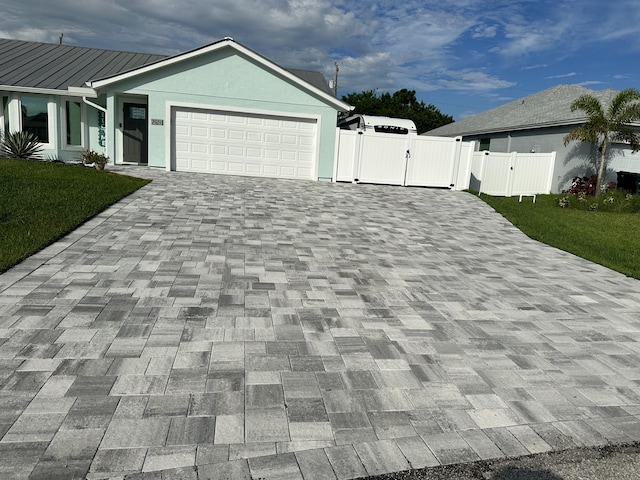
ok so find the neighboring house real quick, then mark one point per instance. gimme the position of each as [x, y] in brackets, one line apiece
[538, 123]
[221, 108]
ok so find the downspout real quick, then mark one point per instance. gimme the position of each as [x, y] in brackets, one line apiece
[103, 110]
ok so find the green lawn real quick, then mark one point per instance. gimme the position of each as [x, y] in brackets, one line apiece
[609, 238]
[42, 201]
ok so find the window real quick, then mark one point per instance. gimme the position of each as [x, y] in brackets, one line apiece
[35, 117]
[484, 144]
[73, 116]
[5, 115]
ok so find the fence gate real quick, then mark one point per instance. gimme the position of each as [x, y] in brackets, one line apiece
[410, 160]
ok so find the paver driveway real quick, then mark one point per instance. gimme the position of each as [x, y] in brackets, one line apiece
[226, 327]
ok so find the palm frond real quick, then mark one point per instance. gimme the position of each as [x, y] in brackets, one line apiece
[589, 105]
[621, 101]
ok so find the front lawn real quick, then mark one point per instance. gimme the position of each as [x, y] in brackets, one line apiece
[609, 238]
[42, 201]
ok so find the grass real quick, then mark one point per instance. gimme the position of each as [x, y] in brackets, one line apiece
[610, 238]
[40, 202]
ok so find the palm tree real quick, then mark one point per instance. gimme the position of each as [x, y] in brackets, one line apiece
[603, 127]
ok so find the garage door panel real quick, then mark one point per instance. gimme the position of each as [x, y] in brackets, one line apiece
[254, 152]
[199, 132]
[253, 169]
[199, 117]
[244, 144]
[254, 137]
[236, 151]
[199, 148]
[271, 154]
[217, 133]
[236, 135]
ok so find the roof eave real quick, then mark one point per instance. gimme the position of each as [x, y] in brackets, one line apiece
[70, 92]
[517, 128]
[226, 42]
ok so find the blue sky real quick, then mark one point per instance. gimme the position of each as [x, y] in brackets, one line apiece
[464, 56]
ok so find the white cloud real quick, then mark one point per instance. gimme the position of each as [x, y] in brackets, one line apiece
[473, 46]
[564, 75]
[485, 31]
[473, 80]
[589, 83]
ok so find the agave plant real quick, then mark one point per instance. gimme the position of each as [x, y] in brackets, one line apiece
[20, 145]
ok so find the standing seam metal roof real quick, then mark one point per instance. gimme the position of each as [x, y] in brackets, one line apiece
[57, 67]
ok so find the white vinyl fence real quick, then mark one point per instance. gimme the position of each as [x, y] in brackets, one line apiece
[510, 174]
[410, 160]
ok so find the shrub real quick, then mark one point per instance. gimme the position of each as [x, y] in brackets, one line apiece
[613, 201]
[20, 145]
[99, 160]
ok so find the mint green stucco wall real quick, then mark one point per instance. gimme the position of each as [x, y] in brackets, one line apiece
[227, 79]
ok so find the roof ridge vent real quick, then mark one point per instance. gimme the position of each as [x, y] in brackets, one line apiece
[229, 38]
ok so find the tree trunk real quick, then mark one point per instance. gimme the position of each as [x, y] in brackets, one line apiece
[601, 168]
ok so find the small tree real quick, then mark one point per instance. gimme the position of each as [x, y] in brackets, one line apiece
[402, 104]
[603, 127]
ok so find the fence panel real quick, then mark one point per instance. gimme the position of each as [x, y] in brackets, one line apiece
[432, 161]
[506, 174]
[463, 176]
[382, 159]
[532, 173]
[347, 151]
[495, 173]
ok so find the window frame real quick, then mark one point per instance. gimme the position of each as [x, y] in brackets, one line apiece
[63, 120]
[484, 141]
[51, 115]
[5, 117]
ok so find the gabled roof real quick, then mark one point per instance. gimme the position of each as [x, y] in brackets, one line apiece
[549, 108]
[319, 86]
[53, 68]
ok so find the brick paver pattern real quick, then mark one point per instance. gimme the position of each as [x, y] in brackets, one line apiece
[226, 327]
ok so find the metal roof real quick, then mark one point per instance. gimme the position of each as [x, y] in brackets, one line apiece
[548, 108]
[57, 67]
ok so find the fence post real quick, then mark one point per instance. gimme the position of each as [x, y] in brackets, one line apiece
[355, 174]
[336, 155]
[484, 157]
[457, 151]
[407, 158]
[511, 173]
[551, 171]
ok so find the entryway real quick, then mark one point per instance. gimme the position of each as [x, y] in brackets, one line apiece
[134, 133]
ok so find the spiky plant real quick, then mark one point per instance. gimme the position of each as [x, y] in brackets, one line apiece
[23, 145]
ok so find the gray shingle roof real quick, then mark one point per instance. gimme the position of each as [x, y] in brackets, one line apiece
[57, 67]
[551, 107]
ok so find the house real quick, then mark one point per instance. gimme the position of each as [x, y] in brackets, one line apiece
[538, 123]
[221, 108]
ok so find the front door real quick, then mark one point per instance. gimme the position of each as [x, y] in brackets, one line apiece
[134, 132]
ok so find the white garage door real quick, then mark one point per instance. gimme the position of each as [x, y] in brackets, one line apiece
[244, 144]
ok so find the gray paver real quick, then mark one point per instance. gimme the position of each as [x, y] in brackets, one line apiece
[310, 327]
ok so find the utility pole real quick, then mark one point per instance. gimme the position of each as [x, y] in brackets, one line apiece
[335, 82]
